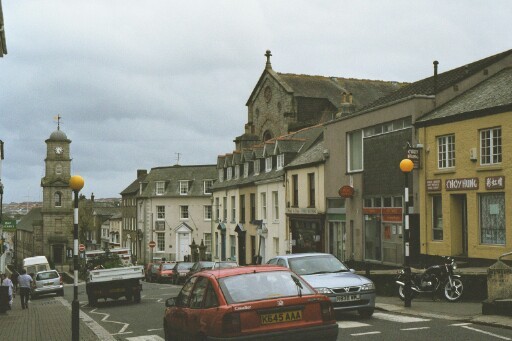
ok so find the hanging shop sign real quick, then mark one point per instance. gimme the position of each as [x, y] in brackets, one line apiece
[346, 191]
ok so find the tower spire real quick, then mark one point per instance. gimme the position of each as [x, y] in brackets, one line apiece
[58, 118]
[268, 65]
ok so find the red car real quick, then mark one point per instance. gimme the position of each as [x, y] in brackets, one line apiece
[165, 272]
[257, 302]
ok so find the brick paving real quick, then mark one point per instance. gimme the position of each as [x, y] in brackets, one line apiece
[47, 318]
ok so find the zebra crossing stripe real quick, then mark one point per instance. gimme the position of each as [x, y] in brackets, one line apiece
[351, 324]
[145, 338]
[398, 318]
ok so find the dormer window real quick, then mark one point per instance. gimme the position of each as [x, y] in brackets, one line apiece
[230, 173]
[160, 187]
[246, 169]
[208, 186]
[280, 161]
[183, 187]
[268, 164]
[256, 167]
[237, 171]
[221, 174]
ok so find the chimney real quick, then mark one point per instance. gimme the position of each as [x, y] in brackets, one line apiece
[141, 172]
[435, 76]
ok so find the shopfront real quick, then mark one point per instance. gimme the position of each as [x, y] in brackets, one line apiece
[383, 235]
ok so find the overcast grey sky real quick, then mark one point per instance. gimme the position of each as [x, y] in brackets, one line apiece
[138, 81]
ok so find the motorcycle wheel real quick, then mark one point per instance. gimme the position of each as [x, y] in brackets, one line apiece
[401, 293]
[453, 293]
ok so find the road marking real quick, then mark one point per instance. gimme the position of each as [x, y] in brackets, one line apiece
[351, 324]
[155, 329]
[461, 324]
[418, 328]
[398, 318]
[487, 333]
[145, 338]
[106, 319]
[362, 334]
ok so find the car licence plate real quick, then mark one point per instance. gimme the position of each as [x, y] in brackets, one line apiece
[348, 298]
[285, 316]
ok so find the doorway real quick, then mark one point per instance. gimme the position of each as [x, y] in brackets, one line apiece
[459, 218]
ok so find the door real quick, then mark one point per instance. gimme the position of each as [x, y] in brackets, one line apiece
[337, 239]
[459, 217]
[183, 245]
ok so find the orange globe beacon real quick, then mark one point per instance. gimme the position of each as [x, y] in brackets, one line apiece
[406, 165]
[76, 182]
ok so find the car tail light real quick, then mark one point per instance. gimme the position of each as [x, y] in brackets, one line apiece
[327, 311]
[231, 323]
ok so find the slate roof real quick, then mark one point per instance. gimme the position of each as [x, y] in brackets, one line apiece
[33, 217]
[489, 97]
[364, 91]
[133, 188]
[444, 81]
[314, 155]
[173, 174]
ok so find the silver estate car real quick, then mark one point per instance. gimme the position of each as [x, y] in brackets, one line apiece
[331, 277]
[46, 282]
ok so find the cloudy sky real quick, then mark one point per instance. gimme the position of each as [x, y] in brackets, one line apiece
[137, 82]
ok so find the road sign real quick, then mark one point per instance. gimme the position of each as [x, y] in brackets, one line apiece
[152, 244]
[81, 247]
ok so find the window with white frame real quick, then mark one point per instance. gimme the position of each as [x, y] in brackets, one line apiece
[237, 171]
[275, 205]
[232, 243]
[257, 167]
[207, 237]
[446, 151]
[490, 146]
[160, 242]
[221, 174]
[184, 212]
[263, 197]
[217, 209]
[280, 161]
[183, 187]
[207, 185]
[160, 187]
[437, 217]
[233, 209]
[160, 212]
[224, 208]
[492, 218]
[355, 151]
[246, 169]
[208, 212]
[268, 164]
[230, 173]
[276, 246]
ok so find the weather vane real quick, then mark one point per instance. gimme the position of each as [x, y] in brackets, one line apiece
[58, 118]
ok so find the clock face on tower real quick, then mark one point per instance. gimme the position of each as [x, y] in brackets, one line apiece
[59, 150]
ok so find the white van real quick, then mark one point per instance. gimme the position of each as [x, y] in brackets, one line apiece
[36, 264]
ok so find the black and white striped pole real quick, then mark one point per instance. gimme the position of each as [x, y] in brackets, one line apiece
[76, 182]
[406, 167]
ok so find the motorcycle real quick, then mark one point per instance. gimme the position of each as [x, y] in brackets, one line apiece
[436, 279]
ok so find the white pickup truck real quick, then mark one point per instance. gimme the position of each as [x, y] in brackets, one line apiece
[114, 283]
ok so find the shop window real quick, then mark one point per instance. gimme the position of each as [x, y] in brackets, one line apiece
[492, 218]
[437, 217]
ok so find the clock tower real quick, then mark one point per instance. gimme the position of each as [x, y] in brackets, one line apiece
[57, 212]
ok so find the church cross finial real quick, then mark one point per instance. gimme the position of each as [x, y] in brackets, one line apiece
[58, 118]
[268, 65]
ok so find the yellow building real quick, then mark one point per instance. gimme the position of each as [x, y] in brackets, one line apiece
[464, 187]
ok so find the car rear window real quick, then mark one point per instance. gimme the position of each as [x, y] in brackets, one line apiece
[46, 275]
[184, 266]
[262, 285]
[167, 266]
[316, 265]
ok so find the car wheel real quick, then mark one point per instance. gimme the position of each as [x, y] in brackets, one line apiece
[137, 297]
[366, 313]
[167, 333]
[92, 300]
[60, 293]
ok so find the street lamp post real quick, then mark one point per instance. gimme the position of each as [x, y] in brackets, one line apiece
[406, 167]
[76, 182]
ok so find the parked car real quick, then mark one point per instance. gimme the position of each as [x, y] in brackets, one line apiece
[180, 272]
[207, 265]
[164, 272]
[47, 282]
[150, 271]
[251, 302]
[331, 277]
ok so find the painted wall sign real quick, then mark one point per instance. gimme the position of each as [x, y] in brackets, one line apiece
[458, 184]
[433, 185]
[346, 191]
[495, 182]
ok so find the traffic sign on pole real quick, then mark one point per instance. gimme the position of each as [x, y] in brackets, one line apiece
[152, 244]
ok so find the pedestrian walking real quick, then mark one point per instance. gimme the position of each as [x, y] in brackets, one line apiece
[6, 282]
[25, 283]
[14, 279]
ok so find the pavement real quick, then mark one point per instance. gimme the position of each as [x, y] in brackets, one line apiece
[49, 318]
